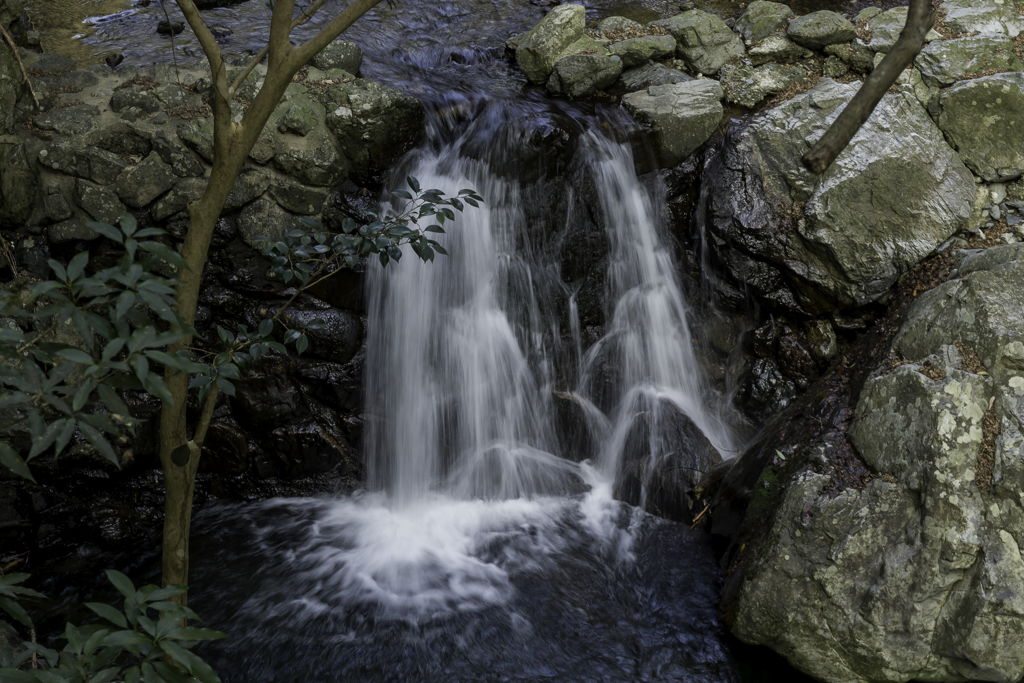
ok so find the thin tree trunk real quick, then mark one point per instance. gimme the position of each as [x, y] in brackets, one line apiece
[920, 19]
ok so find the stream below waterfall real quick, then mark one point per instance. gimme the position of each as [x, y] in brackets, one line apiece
[479, 552]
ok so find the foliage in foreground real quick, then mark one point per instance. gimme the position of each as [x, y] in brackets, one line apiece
[148, 640]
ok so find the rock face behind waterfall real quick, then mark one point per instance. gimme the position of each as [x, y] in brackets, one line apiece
[894, 195]
[918, 574]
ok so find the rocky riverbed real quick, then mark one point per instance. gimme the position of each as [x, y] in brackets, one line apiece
[869, 318]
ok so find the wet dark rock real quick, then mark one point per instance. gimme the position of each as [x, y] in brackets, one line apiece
[226, 449]
[180, 159]
[18, 184]
[339, 338]
[664, 457]
[339, 54]
[166, 28]
[113, 61]
[766, 391]
[266, 398]
[73, 120]
[575, 429]
[69, 230]
[100, 202]
[221, 32]
[31, 253]
[146, 100]
[138, 186]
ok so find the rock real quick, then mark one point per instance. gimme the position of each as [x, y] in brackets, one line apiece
[944, 62]
[145, 100]
[225, 450]
[635, 51]
[181, 161]
[761, 19]
[298, 198]
[867, 14]
[248, 186]
[833, 67]
[664, 456]
[18, 183]
[339, 54]
[339, 338]
[577, 424]
[177, 200]
[99, 202]
[929, 553]
[56, 205]
[99, 165]
[703, 40]
[777, 48]
[10, 88]
[69, 230]
[197, 135]
[545, 43]
[643, 77]
[167, 28]
[374, 124]
[614, 23]
[983, 16]
[820, 29]
[314, 159]
[265, 218]
[681, 116]
[302, 115]
[894, 194]
[859, 58]
[886, 28]
[138, 186]
[74, 120]
[747, 85]
[821, 340]
[581, 75]
[981, 119]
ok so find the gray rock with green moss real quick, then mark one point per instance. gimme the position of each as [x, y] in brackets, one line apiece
[636, 51]
[944, 62]
[820, 29]
[582, 75]
[984, 119]
[747, 85]
[777, 48]
[10, 88]
[983, 16]
[643, 77]
[545, 43]
[102, 203]
[703, 40]
[681, 117]
[918, 575]
[762, 18]
[613, 23]
[339, 54]
[138, 186]
[18, 183]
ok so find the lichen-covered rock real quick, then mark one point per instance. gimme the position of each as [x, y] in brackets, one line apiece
[314, 159]
[703, 40]
[886, 27]
[681, 116]
[181, 161]
[643, 77]
[197, 135]
[248, 186]
[984, 119]
[762, 18]
[339, 54]
[17, 184]
[820, 29]
[301, 115]
[635, 51]
[374, 124]
[983, 16]
[856, 56]
[777, 48]
[138, 186]
[613, 23]
[177, 200]
[546, 42]
[944, 62]
[582, 75]
[146, 100]
[99, 202]
[264, 218]
[70, 230]
[298, 198]
[747, 85]
[74, 120]
[894, 194]
[917, 576]
[10, 88]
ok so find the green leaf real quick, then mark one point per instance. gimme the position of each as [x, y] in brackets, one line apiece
[226, 386]
[16, 611]
[434, 228]
[401, 193]
[195, 633]
[122, 583]
[128, 223]
[76, 355]
[201, 670]
[77, 265]
[132, 641]
[14, 463]
[266, 327]
[164, 253]
[384, 258]
[301, 344]
[114, 616]
[414, 184]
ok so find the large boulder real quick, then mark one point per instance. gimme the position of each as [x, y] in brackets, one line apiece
[886, 27]
[74, 120]
[681, 116]
[820, 29]
[546, 42]
[918, 575]
[762, 18]
[777, 48]
[747, 85]
[137, 186]
[582, 75]
[983, 16]
[982, 119]
[10, 88]
[944, 62]
[892, 196]
[374, 124]
[703, 40]
[314, 159]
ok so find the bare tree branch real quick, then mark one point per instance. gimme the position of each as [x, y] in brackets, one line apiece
[24, 74]
[240, 78]
[920, 19]
[209, 44]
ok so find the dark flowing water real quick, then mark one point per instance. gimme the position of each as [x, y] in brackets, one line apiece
[481, 553]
